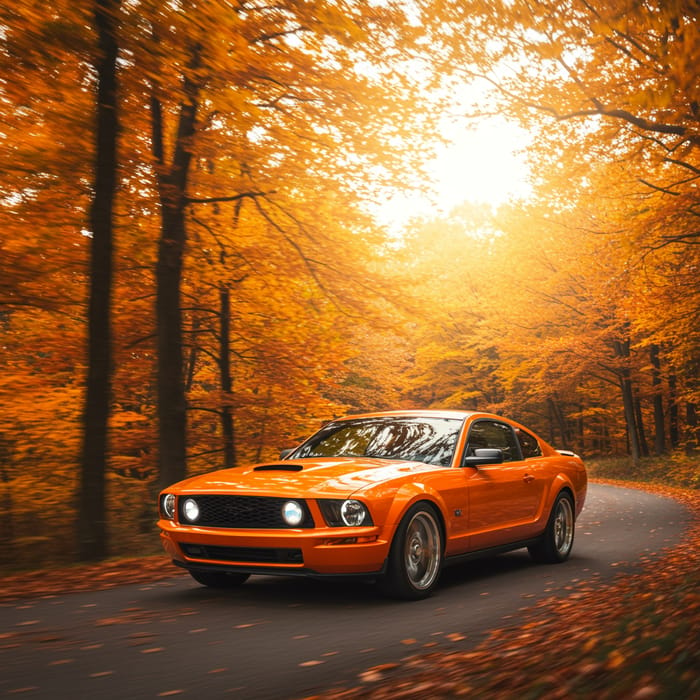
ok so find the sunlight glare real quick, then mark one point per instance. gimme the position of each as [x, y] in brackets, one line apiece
[483, 164]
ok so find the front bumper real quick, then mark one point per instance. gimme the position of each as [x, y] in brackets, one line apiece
[309, 552]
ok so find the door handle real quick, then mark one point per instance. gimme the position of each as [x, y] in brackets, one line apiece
[528, 478]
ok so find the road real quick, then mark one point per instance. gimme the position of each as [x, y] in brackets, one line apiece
[286, 638]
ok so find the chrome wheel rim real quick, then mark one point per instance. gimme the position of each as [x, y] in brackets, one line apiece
[422, 550]
[563, 527]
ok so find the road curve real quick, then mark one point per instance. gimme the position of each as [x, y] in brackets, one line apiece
[279, 638]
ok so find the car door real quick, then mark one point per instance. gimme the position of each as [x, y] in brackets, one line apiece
[503, 498]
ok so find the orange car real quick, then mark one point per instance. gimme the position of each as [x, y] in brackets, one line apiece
[392, 496]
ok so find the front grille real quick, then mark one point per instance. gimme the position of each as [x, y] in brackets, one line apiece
[258, 512]
[257, 555]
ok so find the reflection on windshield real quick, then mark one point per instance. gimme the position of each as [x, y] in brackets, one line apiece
[429, 440]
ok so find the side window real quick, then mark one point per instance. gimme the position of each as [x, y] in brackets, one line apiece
[529, 446]
[488, 433]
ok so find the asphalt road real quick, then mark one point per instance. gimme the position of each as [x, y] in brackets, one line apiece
[289, 638]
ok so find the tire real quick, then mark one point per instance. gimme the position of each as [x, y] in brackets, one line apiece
[415, 557]
[555, 545]
[219, 579]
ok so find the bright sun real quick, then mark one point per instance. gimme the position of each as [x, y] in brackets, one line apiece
[482, 164]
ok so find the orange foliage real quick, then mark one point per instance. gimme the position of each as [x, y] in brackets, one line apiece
[575, 313]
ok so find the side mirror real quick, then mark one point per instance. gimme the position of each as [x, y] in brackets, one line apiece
[484, 455]
[286, 453]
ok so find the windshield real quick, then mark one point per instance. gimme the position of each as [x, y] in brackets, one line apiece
[429, 440]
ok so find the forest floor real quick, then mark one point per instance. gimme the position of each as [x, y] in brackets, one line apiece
[636, 638]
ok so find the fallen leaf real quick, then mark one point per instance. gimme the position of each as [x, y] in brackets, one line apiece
[26, 689]
[455, 637]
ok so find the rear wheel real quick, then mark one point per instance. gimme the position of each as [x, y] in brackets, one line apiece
[558, 539]
[219, 579]
[415, 558]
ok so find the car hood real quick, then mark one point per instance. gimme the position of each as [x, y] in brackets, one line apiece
[338, 477]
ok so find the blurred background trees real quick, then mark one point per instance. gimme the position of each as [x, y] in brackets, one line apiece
[255, 291]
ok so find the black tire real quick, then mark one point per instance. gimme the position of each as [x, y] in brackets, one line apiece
[219, 579]
[555, 544]
[415, 557]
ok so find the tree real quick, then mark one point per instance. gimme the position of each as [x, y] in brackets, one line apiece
[256, 93]
[92, 529]
[610, 89]
[46, 165]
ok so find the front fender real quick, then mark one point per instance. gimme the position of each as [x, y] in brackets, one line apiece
[404, 498]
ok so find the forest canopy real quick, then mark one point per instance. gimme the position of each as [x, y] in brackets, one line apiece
[194, 270]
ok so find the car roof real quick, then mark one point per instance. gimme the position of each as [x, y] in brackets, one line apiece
[415, 413]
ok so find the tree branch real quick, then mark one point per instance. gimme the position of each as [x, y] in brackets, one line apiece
[229, 198]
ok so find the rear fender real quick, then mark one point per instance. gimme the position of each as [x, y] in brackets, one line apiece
[560, 483]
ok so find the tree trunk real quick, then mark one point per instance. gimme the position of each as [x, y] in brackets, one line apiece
[659, 427]
[580, 431]
[172, 185]
[560, 420]
[191, 363]
[226, 381]
[622, 350]
[673, 426]
[641, 433]
[606, 442]
[693, 440]
[172, 405]
[92, 525]
[8, 526]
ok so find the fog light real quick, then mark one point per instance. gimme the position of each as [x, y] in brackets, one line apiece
[190, 510]
[292, 513]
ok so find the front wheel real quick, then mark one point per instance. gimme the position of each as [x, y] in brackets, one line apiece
[219, 579]
[415, 558]
[558, 539]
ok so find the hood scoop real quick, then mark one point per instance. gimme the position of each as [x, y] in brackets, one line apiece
[279, 468]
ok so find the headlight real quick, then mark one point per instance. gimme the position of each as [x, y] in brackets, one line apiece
[167, 506]
[190, 510]
[293, 513]
[353, 513]
[349, 513]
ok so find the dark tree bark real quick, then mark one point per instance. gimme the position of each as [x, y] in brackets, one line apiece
[622, 351]
[191, 363]
[641, 431]
[172, 185]
[560, 421]
[659, 423]
[580, 431]
[673, 424]
[226, 379]
[693, 440]
[7, 555]
[92, 526]
[172, 405]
